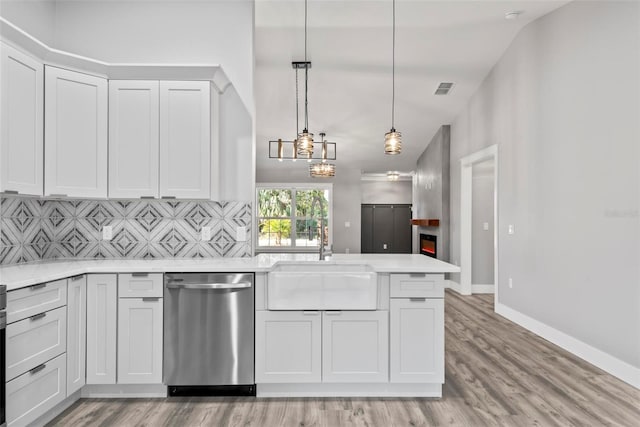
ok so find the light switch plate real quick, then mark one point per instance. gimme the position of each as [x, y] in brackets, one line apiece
[107, 232]
[511, 229]
[485, 225]
[205, 234]
[347, 224]
[241, 234]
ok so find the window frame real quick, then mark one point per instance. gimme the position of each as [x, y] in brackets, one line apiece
[292, 216]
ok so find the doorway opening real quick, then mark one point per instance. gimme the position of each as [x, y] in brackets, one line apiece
[479, 222]
[385, 229]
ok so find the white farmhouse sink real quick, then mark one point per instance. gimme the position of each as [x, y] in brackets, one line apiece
[322, 287]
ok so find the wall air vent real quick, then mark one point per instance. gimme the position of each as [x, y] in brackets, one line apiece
[443, 88]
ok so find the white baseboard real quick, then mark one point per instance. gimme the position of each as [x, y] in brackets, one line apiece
[608, 363]
[124, 390]
[482, 289]
[454, 286]
[350, 390]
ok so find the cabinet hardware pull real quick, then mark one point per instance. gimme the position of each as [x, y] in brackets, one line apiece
[168, 197]
[38, 316]
[150, 299]
[78, 277]
[333, 312]
[147, 197]
[58, 195]
[11, 192]
[310, 312]
[38, 369]
[139, 274]
[417, 299]
[417, 275]
[38, 286]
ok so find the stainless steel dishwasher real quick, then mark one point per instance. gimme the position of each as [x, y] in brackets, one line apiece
[209, 334]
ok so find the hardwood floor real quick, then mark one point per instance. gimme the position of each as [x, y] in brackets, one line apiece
[497, 373]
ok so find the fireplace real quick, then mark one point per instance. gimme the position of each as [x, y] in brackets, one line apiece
[429, 245]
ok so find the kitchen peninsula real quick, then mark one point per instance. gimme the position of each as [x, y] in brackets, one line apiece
[355, 325]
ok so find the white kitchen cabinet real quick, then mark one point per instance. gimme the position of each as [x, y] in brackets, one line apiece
[75, 134]
[102, 309]
[32, 341]
[21, 146]
[140, 341]
[417, 340]
[288, 347]
[33, 393]
[76, 333]
[185, 139]
[140, 285]
[134, 107]
[355, 346]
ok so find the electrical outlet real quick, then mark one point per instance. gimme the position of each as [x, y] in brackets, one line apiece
[511, 229]
[205, 234]
[107, 232]
[510, 283]
[347, 224]
[485, 226]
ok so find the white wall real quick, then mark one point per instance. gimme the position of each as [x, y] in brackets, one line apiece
[482, 256]
[215, 32]
[35, 17]
[387, 192]
[563, 105]
[346, 199]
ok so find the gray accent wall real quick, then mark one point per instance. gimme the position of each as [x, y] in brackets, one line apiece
[563, 106]
[431, 188]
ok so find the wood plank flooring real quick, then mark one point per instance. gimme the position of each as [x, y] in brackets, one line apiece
[497, 374]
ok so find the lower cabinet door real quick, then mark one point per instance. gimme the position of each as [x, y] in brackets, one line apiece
[76, 333]
[32, 394]
[355, 346]
[102, 310]
[140, 341]
[417, 340]
[288, 347]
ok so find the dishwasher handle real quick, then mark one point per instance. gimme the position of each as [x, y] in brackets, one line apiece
[240, 285]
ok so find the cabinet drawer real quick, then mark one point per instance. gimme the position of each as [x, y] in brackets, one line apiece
[32, 394]
[26, 302]
[33, 341]
[417, 285]
[139, 285]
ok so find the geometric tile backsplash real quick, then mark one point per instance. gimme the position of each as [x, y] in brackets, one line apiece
[36, 228]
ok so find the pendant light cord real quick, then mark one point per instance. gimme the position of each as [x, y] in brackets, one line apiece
[306, 71]
[297, 108]
[393, 69]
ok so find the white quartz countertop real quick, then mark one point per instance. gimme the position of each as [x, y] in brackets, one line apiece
[19, 276]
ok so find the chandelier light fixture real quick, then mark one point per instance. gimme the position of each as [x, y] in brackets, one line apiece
[393, 138]
[322, 169]
[305, 139]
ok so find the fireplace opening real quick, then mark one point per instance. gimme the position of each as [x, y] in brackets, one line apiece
[428, 245]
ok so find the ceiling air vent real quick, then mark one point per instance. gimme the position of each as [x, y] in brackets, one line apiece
[443, 88]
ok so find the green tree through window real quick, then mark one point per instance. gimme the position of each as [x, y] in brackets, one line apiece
[287, 218]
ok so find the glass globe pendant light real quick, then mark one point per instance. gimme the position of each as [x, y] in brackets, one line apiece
[393, 138]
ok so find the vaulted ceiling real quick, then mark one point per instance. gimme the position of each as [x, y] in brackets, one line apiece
[349, 45]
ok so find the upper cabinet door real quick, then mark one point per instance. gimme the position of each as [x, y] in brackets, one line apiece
[21, 122]
[133, 138]
[75, 134]
[185, 140]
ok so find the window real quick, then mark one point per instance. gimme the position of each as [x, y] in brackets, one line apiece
[289, 217]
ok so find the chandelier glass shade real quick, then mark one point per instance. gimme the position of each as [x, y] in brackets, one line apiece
[322, 170]
[392, 142]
